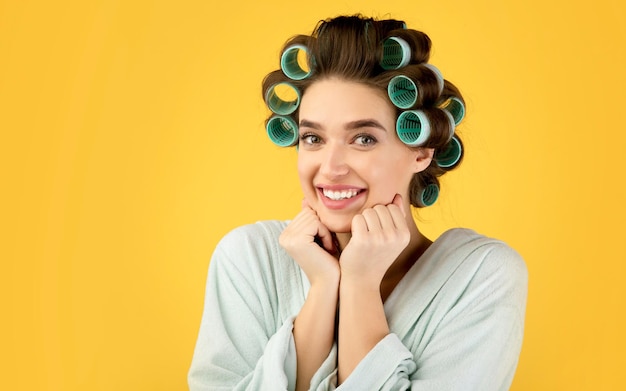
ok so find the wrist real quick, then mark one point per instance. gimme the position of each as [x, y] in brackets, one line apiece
[360, 286]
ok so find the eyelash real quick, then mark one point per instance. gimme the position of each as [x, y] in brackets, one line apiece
[306, 139]
[366, 136]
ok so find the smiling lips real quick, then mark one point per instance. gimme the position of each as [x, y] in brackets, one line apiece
[339, 197]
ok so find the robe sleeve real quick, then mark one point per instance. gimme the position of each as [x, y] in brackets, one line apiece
[475, 345]
[243, 344]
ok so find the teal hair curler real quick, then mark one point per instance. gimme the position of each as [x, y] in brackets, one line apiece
[291, 66]
[283, 131]
[437, 72]
[402, 91]
[454, 106]
[396, 53]
[413, 127]
[452, 126]
[450, 154]
[282, 98]
[429, 195]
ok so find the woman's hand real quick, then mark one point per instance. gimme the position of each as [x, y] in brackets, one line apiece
[379, 235]
[314, 326]
[300, 239]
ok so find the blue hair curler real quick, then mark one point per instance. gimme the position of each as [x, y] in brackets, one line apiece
[402, 91]
[291, 65]
[413, 127]
[450, 154]
[282, 98]
[429, 195]
[396, 53]
[437, 72]
[454, 106]
[283, 131]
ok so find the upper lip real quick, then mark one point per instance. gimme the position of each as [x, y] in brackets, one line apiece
[338, 187]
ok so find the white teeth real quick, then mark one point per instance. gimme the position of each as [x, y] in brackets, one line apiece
[339, 195]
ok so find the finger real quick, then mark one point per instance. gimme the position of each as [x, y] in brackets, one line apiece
[305, 204]
[372, 219]
[398, 218]
[359, 225]
[326, 237]
[385, 217]
[399, 202]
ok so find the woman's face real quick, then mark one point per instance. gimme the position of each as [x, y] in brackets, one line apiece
[349, 157]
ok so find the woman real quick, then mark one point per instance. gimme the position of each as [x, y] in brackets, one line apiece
[350, 294]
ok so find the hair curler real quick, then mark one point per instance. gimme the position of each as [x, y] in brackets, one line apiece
[283, 131]
[413, 127]
[402, 91]
[450, 154]
[452, 124]
[282, 98]
[429, 195]
[454, 106]
[437, 72]
[291, 66]
[396, 53]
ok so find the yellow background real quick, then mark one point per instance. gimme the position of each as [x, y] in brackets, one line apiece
[132, 139]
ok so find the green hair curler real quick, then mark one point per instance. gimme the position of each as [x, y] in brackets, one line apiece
[282, 98]
[450, 154]
[283, 131]
[455, 107]
[429, 195]
[402, 91]
[396, 53]
[290, 64]
[413, 127]
[437, 72]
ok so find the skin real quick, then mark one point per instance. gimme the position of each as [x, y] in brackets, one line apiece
[367, 242]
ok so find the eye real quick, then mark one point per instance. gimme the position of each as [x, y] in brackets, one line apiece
[310, 139]
[365, 140]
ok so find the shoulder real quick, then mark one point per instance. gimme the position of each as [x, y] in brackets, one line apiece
[482, 250]
[259, 234]
[485, 267]
[252, 249]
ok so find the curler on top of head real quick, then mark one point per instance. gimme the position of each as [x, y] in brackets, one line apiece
[294, 62]
[402, 91]
[282, 98]
[437, 72]
[282, 130]
[396, 53]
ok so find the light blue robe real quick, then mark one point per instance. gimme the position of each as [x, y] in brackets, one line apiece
[456, 319]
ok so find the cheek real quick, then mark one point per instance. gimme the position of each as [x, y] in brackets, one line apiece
[393, 176]
[305, 174]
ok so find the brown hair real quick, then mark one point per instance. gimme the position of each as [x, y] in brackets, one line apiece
[351, 48]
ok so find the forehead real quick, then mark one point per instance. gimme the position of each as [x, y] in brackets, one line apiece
[337, 99]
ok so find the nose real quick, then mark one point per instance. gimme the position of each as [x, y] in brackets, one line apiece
[334, 161]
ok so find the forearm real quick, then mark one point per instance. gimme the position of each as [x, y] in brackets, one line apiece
[314, 330]
[362, 323]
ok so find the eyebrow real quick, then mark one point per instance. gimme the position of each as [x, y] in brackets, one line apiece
[352, 125]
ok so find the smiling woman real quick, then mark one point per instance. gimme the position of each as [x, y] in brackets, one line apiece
[350, 294]
[348, 147]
